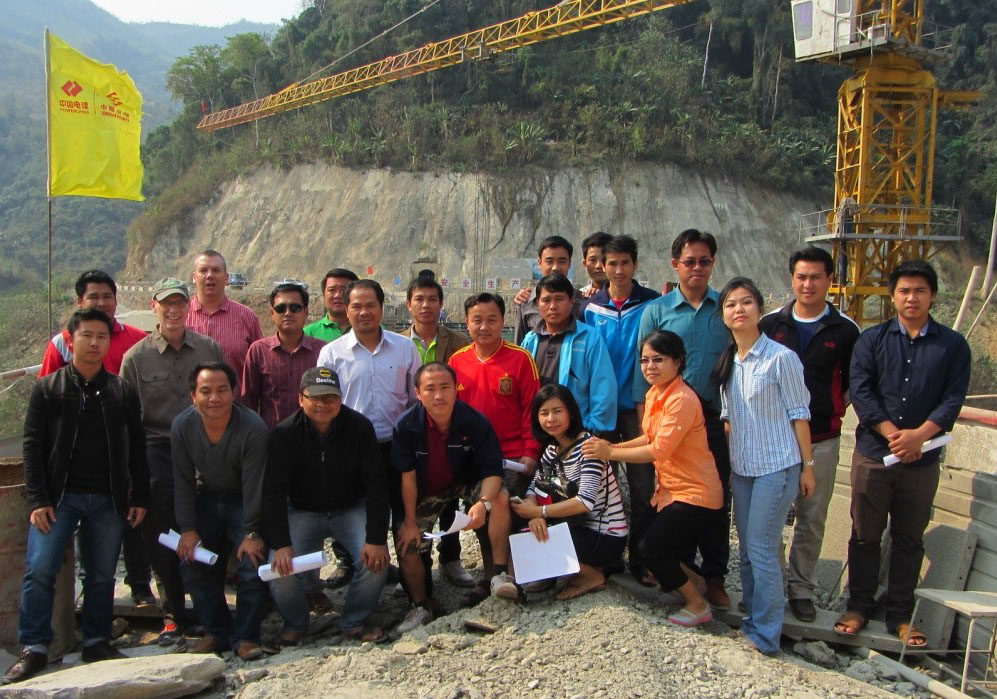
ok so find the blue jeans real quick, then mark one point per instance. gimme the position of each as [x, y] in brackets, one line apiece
[308, 533]
[219, 524]
[761, 504]
[101, 529]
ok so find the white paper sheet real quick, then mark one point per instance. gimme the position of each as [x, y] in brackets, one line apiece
[936, 443]
[513, 466]
[460, 521]
[299, 564]
[535, 560]
[201, 554]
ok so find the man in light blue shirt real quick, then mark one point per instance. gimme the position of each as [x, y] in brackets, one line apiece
[691, 311]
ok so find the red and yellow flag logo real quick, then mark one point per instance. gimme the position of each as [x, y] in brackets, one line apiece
[95, 131]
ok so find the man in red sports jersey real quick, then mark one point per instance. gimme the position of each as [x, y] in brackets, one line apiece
[499, 380]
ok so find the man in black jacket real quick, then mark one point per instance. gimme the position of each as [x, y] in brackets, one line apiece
[823, 339]
[324, 478]
[445, 450]
[84, 466]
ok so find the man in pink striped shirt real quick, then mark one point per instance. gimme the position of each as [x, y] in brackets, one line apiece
[274, 364]
[229, 323]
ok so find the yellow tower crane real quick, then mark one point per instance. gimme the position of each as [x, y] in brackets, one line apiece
[887, 121]
[566, 17]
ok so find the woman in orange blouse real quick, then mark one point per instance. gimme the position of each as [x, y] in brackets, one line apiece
[689, 490]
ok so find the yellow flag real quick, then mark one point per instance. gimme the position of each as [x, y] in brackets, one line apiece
[95, 126]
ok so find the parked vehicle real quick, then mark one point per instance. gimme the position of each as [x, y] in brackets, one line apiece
[288, 280]
[237, 280]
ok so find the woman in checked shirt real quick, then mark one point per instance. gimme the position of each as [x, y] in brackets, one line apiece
[766, 407]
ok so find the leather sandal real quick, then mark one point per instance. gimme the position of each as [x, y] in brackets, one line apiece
[911, 636]
[850, 623]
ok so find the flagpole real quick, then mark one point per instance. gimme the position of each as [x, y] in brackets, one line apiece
[48, 175]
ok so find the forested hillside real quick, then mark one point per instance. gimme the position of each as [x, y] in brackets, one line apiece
[89, 232]
[635, 90]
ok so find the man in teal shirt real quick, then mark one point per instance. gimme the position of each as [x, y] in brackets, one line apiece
[691, 311]
[334, 323]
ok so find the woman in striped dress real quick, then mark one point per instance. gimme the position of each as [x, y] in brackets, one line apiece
[598, 526]
[766, 406]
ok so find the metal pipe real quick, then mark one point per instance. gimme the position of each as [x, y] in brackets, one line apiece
[937, 688]
[964, 306]
[18, 373]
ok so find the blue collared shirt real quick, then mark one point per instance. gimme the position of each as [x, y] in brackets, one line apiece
[764, 394]
[703, 333]
[907, 381]
[378, 385]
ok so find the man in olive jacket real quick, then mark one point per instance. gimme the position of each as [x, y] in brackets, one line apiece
[85, 467]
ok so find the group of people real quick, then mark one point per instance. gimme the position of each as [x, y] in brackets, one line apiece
[638, 419]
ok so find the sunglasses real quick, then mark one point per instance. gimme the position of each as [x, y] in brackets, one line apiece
[644, 361]
[704, 262]
[292, 307]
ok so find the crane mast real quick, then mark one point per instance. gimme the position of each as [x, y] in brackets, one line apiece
[887, 122]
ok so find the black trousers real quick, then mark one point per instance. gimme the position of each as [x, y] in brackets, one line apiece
[904, 494]
[160, 518]
[137, 568]
[640, 482]
[714, 538]
[670, 538]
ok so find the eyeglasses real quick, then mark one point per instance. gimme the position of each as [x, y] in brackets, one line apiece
[324, 399]
[704, 262]
[292, 307]
[644, 361]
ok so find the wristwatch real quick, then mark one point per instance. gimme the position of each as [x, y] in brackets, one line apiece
[809, 463]
[253, 536]
[487, 503]
[543, 512]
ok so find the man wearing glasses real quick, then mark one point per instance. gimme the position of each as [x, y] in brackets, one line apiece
[690, 310]
[275, 364]
[325, 478]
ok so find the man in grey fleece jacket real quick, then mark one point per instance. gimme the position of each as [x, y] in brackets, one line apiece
[219, 458]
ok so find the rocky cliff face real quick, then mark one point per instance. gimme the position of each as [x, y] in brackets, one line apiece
[301, 222]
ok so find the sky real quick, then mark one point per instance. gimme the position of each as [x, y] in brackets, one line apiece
[211, 13]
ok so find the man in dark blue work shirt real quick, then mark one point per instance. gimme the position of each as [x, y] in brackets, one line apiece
[909, 377]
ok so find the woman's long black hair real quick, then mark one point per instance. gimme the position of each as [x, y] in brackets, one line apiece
[555, 390]
[725, 365]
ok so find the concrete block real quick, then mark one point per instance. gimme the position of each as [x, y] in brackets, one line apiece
[156, 677]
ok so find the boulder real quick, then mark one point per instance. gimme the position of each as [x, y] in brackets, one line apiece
[155, 677]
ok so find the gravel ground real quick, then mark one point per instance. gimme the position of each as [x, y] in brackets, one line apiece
[606, 644]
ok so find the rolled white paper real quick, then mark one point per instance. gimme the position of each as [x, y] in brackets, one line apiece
[299, 564]
[513, 466]
[936, 443]
[202, 555]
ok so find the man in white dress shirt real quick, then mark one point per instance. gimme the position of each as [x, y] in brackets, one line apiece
[376, 368]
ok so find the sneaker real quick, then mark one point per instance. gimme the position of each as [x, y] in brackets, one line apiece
[454, 570]
[716, 595]
[27, 666]
[101, 651]
[504, 586]
[170, 635]
[417, 616]
[142, 595]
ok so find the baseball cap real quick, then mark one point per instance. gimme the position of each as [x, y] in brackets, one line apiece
[167, 287]
[321, 381]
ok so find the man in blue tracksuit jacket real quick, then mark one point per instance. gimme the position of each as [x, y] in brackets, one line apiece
[614, 313]
[572, 354]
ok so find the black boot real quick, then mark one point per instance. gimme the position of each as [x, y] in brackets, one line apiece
[26, 667]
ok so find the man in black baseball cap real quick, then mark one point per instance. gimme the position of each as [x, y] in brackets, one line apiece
[325, 478]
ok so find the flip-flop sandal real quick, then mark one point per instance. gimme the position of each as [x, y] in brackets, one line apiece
[684, 617]
[475, 596]
[850, 620]
[366, 634]
[573, 591]
[911, 636]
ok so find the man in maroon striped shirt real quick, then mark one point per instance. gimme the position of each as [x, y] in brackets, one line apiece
[274, 364]
[233, 326]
